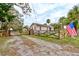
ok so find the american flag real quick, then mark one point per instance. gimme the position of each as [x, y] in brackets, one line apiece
[71, 29]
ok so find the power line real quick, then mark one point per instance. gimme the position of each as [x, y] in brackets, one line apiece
[35, 14]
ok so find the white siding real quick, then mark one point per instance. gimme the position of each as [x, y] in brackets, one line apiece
[43, 28]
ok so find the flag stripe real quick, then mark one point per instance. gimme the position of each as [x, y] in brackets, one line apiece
[71, 30]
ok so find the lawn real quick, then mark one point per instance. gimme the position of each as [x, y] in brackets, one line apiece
[67, 40]
[3, 40]
[2, 43]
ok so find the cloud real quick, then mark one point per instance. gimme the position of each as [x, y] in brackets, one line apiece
[43, 11]
[42, 7]
[56, 12]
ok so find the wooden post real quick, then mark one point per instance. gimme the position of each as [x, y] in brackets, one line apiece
[59, 32]
[64, 31]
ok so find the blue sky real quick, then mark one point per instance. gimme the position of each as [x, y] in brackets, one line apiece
[43, 11]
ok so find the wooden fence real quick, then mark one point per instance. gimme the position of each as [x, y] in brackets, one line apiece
[3, 33]
[60, 34]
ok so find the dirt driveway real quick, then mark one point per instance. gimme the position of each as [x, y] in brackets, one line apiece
[29, 46]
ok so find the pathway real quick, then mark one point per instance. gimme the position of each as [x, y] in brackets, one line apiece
[36, 47]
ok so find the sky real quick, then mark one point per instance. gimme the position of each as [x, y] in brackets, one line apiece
[43, 11]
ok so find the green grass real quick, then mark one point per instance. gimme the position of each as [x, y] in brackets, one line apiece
[3, 40]
[67, 40]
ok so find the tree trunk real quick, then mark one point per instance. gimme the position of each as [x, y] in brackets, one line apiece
[9, 32]
[5, 33]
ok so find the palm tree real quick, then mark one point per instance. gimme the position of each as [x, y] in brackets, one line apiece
[73, 15]
[48, 21]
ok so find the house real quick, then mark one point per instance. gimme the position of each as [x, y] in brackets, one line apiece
[36, 28]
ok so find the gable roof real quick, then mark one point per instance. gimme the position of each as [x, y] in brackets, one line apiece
[39, 25]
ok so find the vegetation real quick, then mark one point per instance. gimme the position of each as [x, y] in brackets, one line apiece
[6, 16]
[65, 41]
[3, 40]
[72, 16]
[55, 26]
[10, 18]
[26, 10]
[48, 21]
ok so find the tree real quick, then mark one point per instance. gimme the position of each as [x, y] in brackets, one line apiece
[48, 21]
[27, 27]
[73, 15]
[26, 10]
[64, 21]
[55, 26]
[61, 19]
[45, 23]
[9, 17]
[5, 15]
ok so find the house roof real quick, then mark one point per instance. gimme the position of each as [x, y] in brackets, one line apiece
[40, 25]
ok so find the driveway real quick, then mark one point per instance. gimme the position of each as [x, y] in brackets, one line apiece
[28, 46]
